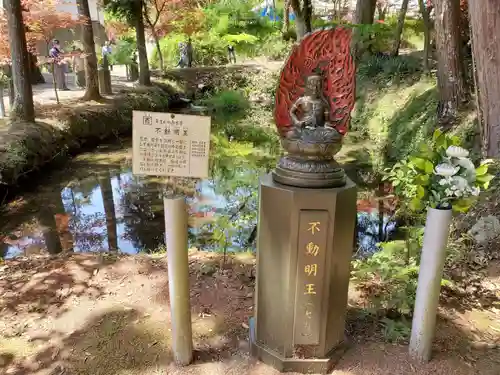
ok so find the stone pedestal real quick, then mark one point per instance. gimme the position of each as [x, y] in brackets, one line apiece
[105, 81]
[305, 244]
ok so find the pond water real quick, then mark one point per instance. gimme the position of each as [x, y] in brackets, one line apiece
[96, 205]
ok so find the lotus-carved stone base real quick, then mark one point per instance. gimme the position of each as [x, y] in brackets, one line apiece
[310, 161]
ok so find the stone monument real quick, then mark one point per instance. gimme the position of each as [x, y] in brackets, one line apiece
[307, 212]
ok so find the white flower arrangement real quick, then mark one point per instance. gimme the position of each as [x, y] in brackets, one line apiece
[441, 176]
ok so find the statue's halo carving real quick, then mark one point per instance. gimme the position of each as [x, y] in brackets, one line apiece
[327, 52]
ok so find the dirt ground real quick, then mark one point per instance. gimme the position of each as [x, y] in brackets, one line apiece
[109, 315]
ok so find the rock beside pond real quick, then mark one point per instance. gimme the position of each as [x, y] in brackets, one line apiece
[486, 229]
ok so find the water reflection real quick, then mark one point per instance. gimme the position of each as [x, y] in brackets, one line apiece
[115, 210]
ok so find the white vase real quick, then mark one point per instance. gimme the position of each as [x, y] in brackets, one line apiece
[437, 229]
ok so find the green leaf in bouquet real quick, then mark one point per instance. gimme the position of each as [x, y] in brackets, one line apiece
[437, 134]
[416, 204]
[429, 167]
[418, 162]
[422, 180]
[420, 192]
[455, 141]
[462, 205]
[482, 170]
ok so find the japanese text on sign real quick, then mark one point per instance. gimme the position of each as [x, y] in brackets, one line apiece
[167, 144]
[311, 257]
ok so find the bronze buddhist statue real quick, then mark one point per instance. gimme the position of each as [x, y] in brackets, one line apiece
[313, 105]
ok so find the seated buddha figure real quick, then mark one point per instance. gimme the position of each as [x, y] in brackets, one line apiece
[312, 107]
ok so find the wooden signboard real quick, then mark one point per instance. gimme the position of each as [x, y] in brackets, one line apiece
[167, 144]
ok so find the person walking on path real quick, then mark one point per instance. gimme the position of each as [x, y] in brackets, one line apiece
[106, 54]
[59, 65]
[230, 53]
[79, 67]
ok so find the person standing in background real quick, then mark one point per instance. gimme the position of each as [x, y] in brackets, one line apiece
[189, 53]
[230, 53]
[59, 65]
[78, 66]
[182, 55]
[106, 53]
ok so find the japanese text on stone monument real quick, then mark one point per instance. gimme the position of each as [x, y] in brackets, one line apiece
[166, 144]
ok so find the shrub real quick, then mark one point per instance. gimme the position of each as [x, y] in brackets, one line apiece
[228, 105]
[275, 47]
[123, 51]
[388, 279]
[388, 66]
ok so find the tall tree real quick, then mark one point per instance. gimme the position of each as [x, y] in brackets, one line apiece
[286, 16]
[132, 12]
[23, 107]
[140, 35]
[485, 26]
[427, 33]
[365, 11]
[44, 18]
[399, 29]
[153, 11]
[303, 16]
[450, 74]
[91, 77]
[382, 6]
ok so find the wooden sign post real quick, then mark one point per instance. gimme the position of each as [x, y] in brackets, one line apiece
[166, 144]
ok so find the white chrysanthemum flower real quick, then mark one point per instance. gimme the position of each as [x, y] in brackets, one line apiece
[460, 183]
[457, 152]
[446, 170]
[466, 163]
[475, 191]
[443, 181]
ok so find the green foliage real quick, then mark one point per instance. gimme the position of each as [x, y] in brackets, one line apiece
[439, 175]
[389, 67]
[374, 38]
[123, 51]
[228, 105]
[389, 278]
[396, 330]
[275, 47]
[125, 10]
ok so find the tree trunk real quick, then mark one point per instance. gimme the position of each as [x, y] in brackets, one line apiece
[365, 11]
[109, 210]
[91, 76]
[2, 103]
[399, 29]
[303, 17]
[382, 10]
[450, 68]
[23, 108]
[144, 75]
[158, 50]
[286, 17]
[36, 75]
[427, 34]
[485, 25]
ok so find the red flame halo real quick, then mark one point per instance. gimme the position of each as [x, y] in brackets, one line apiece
[327, 50]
